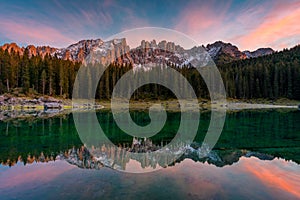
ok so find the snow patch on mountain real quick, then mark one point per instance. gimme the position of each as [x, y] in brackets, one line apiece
[117, 50]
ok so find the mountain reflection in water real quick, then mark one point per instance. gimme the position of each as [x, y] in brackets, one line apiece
[265, 134]
[249, 178]
[121, 158]
[256, 157]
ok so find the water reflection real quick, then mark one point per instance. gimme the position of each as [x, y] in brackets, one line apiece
[11, 115]
[119, 157]
[249, 178]
[246, 132]
[281, 175]
[257, 157]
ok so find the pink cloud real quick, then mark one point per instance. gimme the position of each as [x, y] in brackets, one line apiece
[280, 26]
[203, 20]
[30, 32]
[43, 172]
[273, 24]
[276, 176]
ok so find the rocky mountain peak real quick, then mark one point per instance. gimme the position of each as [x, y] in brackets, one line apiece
[32, 50]
[13, 47]
[259, 52]
[220, 47]
[96, 51]
[117, 50]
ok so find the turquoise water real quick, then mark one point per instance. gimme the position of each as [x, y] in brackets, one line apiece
[257, 156]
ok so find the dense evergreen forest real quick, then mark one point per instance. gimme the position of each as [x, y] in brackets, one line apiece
[47, 76]
[271, 77]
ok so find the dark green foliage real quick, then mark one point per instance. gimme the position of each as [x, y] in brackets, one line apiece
[270, 77]
[48, 75]
[258, 131]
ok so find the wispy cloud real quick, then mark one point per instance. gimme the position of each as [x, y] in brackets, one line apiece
[203, 20]
[41, 173]
[270, 174]
[60, 23]
[250, 25]
[30, 32]
[278, 28]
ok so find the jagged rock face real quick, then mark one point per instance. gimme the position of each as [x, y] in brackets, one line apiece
[117, 51]
[259, 52]
[149, 53]
[78, 51]
[44, 50]
[13, 47]
[96, 51]
[32, 50]
[161, 53]
[219, 47]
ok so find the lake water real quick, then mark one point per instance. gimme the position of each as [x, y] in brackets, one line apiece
[257, 156]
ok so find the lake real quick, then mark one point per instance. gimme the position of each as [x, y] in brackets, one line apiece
[257, 156]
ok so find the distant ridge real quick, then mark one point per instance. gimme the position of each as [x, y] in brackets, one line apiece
[111, 51]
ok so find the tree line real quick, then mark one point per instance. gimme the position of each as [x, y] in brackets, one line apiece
[47, 76]
[271, 77]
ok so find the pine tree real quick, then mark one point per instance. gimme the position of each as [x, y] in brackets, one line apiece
[44, 77]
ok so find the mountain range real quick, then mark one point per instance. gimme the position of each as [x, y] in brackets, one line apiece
[117, 50]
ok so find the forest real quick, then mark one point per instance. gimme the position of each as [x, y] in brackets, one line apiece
[269, 77]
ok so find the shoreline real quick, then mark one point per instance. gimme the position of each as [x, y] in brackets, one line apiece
[36, 104]
[22, 111]
[248, 106]
[206, 105]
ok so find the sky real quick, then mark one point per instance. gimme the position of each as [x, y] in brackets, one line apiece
[247, 24]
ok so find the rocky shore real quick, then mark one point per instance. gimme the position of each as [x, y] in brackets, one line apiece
[14, 107]
[8, 102]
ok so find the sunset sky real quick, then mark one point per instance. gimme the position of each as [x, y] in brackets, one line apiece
[247, 24]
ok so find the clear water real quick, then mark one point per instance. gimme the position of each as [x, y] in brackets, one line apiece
[257, 156]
